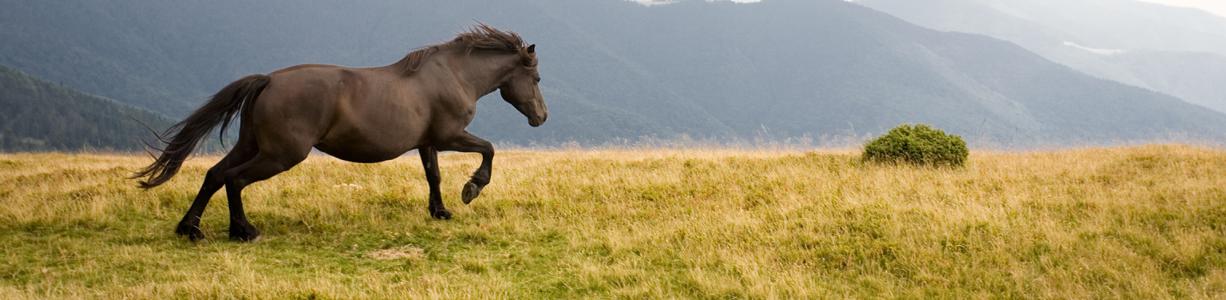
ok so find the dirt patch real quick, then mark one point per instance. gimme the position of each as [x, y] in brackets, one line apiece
[402, 252]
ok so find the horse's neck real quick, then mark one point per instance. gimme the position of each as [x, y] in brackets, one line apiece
[479, 73]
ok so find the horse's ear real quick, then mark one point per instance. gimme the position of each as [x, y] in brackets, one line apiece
[532, 48]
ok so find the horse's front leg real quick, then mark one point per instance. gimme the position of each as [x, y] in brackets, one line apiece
[466, 142]
[429, 161]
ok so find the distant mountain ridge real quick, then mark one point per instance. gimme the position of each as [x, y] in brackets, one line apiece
[1178, 51]
[37, 115]
[616, 70]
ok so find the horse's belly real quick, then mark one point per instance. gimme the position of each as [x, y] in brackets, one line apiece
[366, 150]
[358, 154]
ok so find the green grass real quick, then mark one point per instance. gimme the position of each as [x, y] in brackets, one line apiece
[1140, 222]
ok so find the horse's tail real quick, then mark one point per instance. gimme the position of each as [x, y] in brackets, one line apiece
[187, 134]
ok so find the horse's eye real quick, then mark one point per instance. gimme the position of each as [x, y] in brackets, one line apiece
[538, 79]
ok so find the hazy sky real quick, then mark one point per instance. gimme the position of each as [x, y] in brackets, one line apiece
[1214, 6]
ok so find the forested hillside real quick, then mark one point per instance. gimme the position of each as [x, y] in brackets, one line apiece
[38, 115]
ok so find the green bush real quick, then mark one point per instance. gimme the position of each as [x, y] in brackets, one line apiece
[917, 144]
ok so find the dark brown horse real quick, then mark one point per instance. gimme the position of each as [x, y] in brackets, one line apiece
[424, 101]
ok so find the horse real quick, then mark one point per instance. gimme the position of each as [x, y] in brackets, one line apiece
[424, 101]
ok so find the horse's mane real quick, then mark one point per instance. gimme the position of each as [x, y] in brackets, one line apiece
[481, 36]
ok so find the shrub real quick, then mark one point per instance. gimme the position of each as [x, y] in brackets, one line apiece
[917, 144]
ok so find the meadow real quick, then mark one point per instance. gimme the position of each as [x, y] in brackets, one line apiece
[1127, 222]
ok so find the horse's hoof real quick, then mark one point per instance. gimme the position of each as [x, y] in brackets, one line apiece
[471, 191]
[244, 233]
[192, 232]
[441, 214]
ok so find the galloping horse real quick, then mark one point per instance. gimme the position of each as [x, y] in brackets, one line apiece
[424, 102]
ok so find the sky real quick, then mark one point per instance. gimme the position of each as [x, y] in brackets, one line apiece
[1214, 6]
[1217, 7]
[658, 2]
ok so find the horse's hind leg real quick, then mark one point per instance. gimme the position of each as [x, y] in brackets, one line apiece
[213, 181]
[190, 224]
[263, 166]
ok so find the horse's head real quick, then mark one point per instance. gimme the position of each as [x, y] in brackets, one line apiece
[521, 91]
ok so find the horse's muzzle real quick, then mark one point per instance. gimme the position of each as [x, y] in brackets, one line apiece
[537, 121]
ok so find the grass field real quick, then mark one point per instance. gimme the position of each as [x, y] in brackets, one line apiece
[1140, 222]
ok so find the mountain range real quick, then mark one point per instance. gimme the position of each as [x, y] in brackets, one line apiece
[1173, 50]
[617, 70]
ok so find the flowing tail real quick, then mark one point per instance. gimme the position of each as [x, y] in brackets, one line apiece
[188, 133]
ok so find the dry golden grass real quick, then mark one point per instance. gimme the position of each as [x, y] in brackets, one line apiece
[1139, 222]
